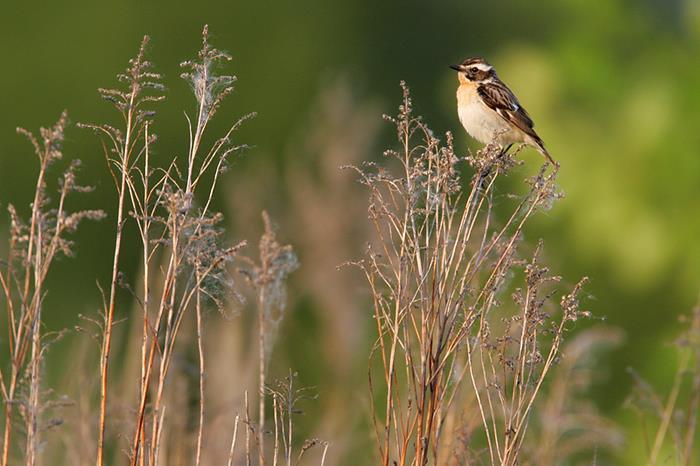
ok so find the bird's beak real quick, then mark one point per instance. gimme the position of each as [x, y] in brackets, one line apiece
[456, 67]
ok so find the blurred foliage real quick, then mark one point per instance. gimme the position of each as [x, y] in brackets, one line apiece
[612, 84]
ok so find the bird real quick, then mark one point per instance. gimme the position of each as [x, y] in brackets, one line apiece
[490, 111]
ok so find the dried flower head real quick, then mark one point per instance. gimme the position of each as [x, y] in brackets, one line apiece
[209, 88]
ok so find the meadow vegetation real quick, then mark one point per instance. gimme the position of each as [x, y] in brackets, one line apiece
[476, 358]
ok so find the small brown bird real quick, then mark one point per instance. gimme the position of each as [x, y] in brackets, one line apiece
[489, 111]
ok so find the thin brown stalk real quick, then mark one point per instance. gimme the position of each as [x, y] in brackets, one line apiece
[200, 352]
[247, 431]
[261, 374]
[325, 450]
[234, 436]
[123, 164]
[275, 454]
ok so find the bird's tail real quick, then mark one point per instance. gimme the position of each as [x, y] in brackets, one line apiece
[539, 145]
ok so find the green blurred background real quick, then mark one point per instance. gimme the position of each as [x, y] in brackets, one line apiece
[614, 86]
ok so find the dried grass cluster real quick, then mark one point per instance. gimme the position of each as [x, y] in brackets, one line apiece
[438, 272]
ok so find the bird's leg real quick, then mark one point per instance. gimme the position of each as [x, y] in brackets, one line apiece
[505, 151]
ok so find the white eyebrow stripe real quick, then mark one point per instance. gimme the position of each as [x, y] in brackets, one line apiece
[482, 66]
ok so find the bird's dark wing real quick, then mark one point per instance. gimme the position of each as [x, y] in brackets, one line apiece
[499, 98]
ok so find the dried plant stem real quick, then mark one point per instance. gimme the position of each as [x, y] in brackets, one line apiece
[34, 385]
[325, 450]
[691, 424]
[7, 397]
[233, 441]
[248, 428]
[290, 407]
[124, 158]
[140, 434]
[268, 278]
[676, 412]
[275, 408]
[167, 302]
[200, 352]
[146, 362]
[670, 406]
[261, 375]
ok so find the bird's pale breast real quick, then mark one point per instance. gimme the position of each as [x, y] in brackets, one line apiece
[482, 123]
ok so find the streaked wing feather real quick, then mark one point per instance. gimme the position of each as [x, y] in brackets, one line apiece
[498, 97]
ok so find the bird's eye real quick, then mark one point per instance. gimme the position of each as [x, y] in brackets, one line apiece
[474, 70]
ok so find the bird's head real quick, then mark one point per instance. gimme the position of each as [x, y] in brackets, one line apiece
[473, 70]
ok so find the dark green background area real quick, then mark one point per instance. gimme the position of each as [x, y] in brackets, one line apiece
[613, 85]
